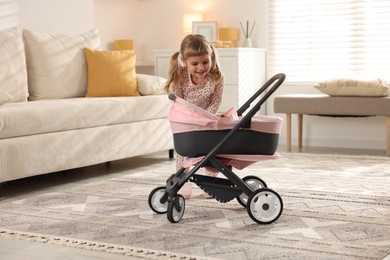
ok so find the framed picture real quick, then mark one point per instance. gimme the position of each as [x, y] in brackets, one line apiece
[207, 29]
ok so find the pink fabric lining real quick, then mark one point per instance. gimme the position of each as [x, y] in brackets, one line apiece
[186, 117]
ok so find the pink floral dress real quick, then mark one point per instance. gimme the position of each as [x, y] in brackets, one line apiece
[206, 95]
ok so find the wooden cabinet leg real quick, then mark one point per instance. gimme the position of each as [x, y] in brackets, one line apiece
[388, 135]
[288, 132]
[300, 122]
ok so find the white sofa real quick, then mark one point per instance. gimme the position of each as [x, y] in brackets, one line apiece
[46, 122]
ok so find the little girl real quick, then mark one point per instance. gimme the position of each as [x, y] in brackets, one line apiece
[194, 75]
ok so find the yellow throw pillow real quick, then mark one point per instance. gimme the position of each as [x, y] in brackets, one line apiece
[111, 73]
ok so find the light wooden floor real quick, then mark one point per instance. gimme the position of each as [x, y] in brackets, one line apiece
[23, 250]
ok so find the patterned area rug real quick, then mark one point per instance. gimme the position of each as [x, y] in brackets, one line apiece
[335, 207]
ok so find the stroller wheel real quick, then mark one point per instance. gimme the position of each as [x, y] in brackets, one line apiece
[255, 183]
[176, 209]
[265, 206]
[158, 200]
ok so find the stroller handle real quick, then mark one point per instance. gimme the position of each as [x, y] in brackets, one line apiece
[278, 78]
[172, 97]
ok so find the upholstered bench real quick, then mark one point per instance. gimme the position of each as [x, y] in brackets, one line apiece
[325, 105]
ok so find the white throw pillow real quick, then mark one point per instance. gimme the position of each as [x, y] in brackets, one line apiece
[150, 85]
[13, 74]
[353, 87]
[56, 65]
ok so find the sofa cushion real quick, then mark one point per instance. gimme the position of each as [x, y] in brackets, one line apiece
[150, 85]
[53, 115]
[111, 73]
[13, 75]
[56, 65]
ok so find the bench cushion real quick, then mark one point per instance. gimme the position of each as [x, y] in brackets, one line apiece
[321, 104]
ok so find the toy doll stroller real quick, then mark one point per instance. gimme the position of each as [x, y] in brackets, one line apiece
[223, 142]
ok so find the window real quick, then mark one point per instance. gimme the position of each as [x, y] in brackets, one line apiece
[314, 40]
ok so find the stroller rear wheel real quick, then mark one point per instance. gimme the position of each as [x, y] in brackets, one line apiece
[265, 206]
[158, 200]
[255, 183]
[176, 209]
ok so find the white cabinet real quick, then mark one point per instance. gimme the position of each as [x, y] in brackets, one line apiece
[243, 68]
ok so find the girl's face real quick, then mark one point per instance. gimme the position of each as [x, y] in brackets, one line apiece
[198, 67]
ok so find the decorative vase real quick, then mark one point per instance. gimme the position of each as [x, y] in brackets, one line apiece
[247, 43]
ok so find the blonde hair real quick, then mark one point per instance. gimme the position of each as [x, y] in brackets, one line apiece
[192, 45]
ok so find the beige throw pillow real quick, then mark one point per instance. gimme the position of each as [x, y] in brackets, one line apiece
[352, 87]
[56, 64]
[13, 75]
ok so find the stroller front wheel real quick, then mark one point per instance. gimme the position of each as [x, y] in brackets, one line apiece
[176, 209]
[158, 200]
[265, 206]
[255, 183]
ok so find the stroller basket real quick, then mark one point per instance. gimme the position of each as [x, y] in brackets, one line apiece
[245, 141]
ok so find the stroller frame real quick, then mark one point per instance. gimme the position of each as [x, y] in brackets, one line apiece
[263, 205]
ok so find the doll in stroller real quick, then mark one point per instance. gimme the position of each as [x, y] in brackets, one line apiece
[233, 140]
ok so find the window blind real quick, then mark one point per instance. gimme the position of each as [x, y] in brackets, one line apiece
[8, 14]
[314, 40]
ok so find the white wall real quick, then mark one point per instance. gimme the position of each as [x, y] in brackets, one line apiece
[58, 16]
[157, 24]
[117, 19]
